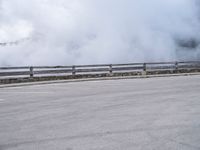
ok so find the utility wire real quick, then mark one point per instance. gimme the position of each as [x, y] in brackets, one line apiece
[13, 43]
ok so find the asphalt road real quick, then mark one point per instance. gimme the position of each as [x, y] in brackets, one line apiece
[133, 114]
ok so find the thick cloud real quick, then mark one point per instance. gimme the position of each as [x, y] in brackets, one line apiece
[97, 31]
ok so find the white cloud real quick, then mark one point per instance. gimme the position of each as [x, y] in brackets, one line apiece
[96, 31]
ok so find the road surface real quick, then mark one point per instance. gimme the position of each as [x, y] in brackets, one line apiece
[133, 114]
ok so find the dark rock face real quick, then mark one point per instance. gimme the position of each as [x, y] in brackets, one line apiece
[189, 43]
[187, 49]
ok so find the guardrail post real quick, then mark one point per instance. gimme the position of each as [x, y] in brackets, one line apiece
[111, 69]
[31, 72]
[73, 70]
[176, 66]
[145, 67]
[144, 72]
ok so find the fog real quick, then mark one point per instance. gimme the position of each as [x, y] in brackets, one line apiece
[65, 32]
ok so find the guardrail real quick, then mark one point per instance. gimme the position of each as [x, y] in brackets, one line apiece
[99, 70]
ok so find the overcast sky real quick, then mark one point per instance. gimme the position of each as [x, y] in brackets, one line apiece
[64, 32]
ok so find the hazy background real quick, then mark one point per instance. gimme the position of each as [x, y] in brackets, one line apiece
[64, 32]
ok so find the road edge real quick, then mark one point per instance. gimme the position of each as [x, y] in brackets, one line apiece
[94, 79]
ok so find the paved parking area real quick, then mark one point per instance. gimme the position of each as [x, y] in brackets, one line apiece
[133, 114]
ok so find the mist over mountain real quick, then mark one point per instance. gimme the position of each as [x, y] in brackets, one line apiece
[65, 32]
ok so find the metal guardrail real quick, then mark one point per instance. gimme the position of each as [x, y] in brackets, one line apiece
[33, 71]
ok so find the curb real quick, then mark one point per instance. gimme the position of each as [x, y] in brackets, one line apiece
[95, 79]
